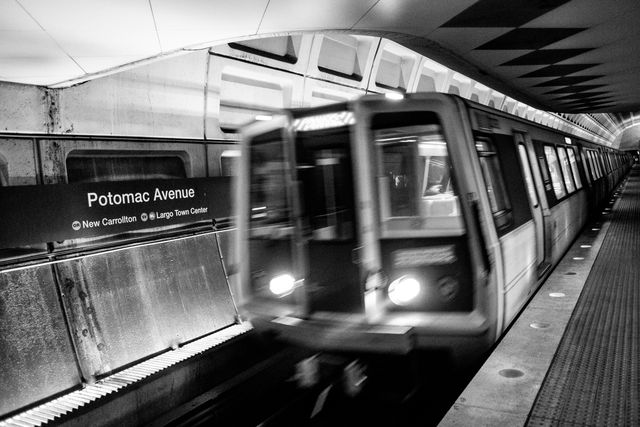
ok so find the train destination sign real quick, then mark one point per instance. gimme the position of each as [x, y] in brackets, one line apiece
[47, 213]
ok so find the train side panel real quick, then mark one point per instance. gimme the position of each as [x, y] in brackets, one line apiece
[562, 218]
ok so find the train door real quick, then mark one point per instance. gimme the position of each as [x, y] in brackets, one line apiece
[297, 234]
[534, 200]
[269, 253]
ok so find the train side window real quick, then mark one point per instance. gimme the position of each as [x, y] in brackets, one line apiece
[566, 170]
[526, 167]
[599, 163]
[494, 180]
[603, 162]
[582, 155]
[594, 156]
[100, 166]
[592, 165]
[554, 170]
[544, 171]
[574, 167]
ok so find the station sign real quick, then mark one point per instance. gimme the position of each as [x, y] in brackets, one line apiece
[48, 213]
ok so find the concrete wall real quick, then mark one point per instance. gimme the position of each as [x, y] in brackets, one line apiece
[210, 93]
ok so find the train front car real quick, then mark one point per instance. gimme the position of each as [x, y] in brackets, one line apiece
[359, 230]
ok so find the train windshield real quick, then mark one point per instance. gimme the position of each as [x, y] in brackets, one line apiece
[416, 188]
[324, 168]
[269, 214]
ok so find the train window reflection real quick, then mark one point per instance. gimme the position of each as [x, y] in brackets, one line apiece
[528, 178]
[574, 167]
[554, 171]
[415, 184]
[268, 205]
[496, 190]
[566, 171]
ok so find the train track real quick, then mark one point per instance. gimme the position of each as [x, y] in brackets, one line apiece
[296, 387]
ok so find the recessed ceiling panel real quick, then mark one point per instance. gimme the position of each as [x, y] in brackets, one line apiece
[498, 13]
[546, 56]
[575, 89]
[581, 95]
[530, 38]
[558, 70]
[584, 13]
[493, 58]
[464, 40]
[567, 81]
[607, 33]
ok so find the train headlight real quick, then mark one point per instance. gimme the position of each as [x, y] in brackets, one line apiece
[282, 285]
[404, 290]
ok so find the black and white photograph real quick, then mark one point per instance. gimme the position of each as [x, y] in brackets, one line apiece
[273, 213]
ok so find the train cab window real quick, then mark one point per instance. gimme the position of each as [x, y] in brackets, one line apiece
[554, 171]
[268, 204]
[494, 180]
[327, 176]
[526, 167]
[574, 167]
[416, 188]
[566, 169]
[103, 166]
[324, 170]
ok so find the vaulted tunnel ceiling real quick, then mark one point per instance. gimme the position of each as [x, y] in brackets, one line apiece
[571, 56]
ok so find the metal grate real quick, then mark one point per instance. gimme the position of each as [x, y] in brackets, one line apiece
[594, 377]
[55, 409]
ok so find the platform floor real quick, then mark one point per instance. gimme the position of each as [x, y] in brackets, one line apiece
[573, 356]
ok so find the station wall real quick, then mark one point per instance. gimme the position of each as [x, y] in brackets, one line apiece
[210, 93]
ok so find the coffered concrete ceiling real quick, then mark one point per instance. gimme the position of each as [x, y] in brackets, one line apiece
[571, 56]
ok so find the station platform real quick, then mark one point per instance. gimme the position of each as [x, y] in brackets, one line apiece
[573, 355]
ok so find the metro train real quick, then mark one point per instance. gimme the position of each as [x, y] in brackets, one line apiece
[394, 223]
